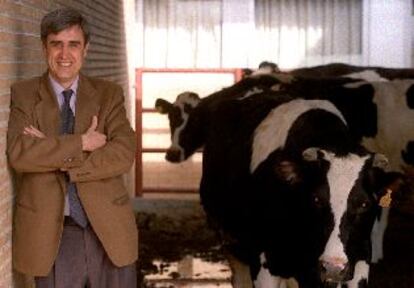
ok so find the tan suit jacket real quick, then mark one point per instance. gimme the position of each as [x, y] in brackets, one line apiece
[38, 215]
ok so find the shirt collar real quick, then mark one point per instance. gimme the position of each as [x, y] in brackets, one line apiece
[58, 89]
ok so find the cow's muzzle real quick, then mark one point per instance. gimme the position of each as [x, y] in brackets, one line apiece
[174, 155]
[335, 271]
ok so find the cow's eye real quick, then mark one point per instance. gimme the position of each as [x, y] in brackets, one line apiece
[318, 202]
[363, 207]
[175, 118]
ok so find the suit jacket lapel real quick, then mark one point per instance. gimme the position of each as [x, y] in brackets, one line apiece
[47, 109]
[86, 105]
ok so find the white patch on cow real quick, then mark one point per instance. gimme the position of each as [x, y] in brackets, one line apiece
[272, 132]
[355, 84]
[377, 235]
[266, 280]
[263, 71]
[366, 75]
[394, 132]
[275, 87]
[182, 99]
[251, 92]
[342, 175]
[282, 77]
[186, 98]
[361, 272]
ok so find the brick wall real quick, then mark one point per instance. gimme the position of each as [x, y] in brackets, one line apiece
[21, 57]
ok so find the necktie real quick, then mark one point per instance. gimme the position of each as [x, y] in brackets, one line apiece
[76, 210]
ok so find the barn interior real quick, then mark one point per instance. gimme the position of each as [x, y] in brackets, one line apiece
[195, 58]
[161, 48]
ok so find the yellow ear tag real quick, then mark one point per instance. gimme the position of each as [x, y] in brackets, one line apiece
[385, 200]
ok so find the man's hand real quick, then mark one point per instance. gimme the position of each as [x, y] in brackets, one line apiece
[92, 139]
[32, 131]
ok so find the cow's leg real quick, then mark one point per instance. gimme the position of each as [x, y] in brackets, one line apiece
[240, 273]
[265, 279]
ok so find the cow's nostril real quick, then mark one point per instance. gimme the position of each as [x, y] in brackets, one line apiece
[333, 266]
[173, 155]
[334, 271]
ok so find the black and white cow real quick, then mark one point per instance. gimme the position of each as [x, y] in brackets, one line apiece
[371, 109]
[189, 116]
[294, 188]
[374, 99]
[364, 125]
[369, 73]
[364, 95]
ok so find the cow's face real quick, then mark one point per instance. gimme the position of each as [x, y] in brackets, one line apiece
[183, 139]
[344, 197]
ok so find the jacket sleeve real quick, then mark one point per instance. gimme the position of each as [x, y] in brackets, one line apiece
[118, 154]
[31, 154]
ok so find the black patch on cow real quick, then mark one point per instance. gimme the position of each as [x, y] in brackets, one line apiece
[341, 69]
[410, 97]
[363, 283]
[328, 70]
[188, 108]
[355, 103]
[408, 153]
[175, 118]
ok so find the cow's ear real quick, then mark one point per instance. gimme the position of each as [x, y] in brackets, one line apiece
[163, 106]
[288, 171]
[313, 154]
[394, 188]
[194, 96]
[402, 188]
[380, 161]
[246, 72]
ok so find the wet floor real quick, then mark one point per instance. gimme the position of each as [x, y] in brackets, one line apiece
[178, 249]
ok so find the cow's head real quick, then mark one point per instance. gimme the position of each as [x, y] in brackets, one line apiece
[184, 131]
[345, 191]
[338, 196]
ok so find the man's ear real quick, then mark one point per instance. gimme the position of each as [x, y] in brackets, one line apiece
[163, 106]
[85, 51]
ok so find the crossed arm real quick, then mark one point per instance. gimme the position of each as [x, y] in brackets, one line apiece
[91, 156]
[91, 140]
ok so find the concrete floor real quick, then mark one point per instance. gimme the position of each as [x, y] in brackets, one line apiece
[176, 247]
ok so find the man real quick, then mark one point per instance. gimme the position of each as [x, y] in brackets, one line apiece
[70, 143]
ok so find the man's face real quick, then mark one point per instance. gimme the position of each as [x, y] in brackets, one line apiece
[65, 52]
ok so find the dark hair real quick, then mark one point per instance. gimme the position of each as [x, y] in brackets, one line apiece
[60, 19]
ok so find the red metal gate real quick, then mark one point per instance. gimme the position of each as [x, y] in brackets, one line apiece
[143, 110]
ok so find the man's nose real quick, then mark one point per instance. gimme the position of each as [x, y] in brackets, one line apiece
[64, 51]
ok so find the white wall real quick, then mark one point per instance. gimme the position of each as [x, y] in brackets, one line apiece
[238, 30]
[388, 33]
